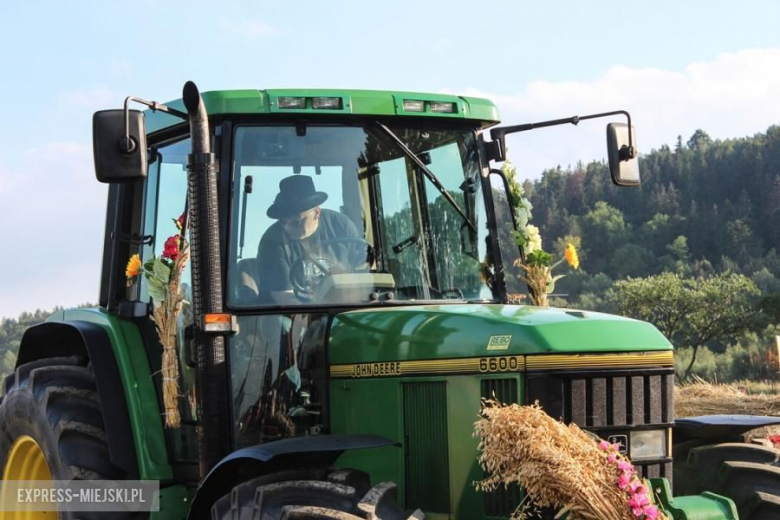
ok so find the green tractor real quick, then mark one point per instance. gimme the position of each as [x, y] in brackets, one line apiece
[350, 300]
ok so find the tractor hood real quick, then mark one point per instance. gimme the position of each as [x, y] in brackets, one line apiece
[453, 331]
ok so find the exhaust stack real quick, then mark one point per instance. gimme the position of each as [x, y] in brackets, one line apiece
[211, 372]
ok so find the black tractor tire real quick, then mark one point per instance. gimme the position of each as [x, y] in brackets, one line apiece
[55, 401]
[748, 474]
[332, 494]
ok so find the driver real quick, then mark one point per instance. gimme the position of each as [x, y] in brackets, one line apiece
[298, 239]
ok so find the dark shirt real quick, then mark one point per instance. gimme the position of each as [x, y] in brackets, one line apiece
[277, 251]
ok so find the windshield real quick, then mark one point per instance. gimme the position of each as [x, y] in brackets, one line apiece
[348, 215]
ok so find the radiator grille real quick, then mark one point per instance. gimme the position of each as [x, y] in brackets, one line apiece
[501, 502]
[427, 453]
[606, 402]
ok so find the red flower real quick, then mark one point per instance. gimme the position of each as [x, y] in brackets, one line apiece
[171, 248]
[180, 221]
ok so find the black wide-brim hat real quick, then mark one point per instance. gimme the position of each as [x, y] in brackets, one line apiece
[296, 195]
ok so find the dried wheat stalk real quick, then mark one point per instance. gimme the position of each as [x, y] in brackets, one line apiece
[165, 318]
[559, 466]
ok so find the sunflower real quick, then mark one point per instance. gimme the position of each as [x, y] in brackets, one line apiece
[571, 256]
[134, 266]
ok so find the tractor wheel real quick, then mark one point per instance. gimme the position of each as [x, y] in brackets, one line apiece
[51, 425]
[746, 473]
[336, 494]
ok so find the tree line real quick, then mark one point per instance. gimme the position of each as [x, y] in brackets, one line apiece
[694, 249]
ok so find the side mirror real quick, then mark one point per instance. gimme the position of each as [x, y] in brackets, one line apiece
[119, 150]
[623, 162]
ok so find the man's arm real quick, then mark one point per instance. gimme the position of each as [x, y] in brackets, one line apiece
[273, 265]
[357, 256]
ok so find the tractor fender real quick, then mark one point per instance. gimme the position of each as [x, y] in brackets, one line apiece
[718, 428]
[80, 338]
[286, 454]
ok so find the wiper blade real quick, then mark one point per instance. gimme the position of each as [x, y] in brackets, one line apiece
[428, 173]
[401, 246]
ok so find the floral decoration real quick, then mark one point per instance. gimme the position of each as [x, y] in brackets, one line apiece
[639, 497]
[537, 266]
[163, 275]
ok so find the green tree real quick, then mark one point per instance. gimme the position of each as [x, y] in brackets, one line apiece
[677, 259]
[631, 260]
[766, 281]
[699, 141]
[604, 230]
[690, 312]
[659, 231]
[7, 363]
[740, 242]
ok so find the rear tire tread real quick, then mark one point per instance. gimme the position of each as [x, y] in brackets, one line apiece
[21, 374]
[763, 506]
[747, 473]
[315, 513]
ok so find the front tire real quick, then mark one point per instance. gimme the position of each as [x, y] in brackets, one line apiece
[342, 494]
[53, 403]
[746, 473]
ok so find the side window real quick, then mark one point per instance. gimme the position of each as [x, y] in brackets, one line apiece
[400, 224]
[166, 196]
[165, 200]
[455, 271]
[516, 290]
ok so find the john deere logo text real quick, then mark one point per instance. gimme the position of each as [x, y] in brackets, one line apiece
[392, 368]
[499, 342]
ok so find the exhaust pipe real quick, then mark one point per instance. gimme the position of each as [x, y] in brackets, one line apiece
[211, 371]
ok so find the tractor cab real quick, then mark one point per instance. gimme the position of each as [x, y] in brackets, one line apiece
[323, 202]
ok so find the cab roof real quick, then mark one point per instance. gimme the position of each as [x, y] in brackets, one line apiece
[353, 102]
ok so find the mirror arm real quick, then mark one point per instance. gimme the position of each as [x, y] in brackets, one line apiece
[128, 144]
[497, 134]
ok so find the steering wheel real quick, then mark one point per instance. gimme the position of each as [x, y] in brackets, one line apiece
[309, 269]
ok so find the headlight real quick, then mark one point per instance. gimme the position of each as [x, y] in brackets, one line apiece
[647, 444]
[292, 102]
[438, 106]
[332, 103]
[414, 105]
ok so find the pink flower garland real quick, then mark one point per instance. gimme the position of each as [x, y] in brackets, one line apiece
[639, 499]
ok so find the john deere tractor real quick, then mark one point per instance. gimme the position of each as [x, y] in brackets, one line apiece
[340, 377]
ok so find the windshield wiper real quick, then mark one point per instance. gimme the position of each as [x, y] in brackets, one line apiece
[399, 247]
[428, 173]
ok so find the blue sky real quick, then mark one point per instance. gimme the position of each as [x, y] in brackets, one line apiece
[676, 66]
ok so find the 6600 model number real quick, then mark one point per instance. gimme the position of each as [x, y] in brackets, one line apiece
[500, 363]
